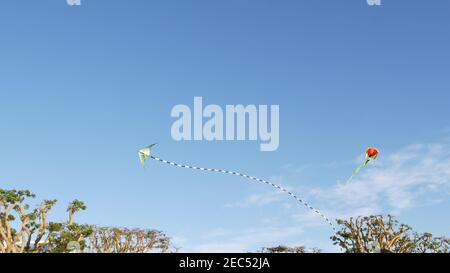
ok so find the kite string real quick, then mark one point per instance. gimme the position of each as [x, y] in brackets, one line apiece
[252, 178]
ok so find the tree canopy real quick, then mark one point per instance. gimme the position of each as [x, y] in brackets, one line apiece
[28, 230]
[377, 233]
[25, 229]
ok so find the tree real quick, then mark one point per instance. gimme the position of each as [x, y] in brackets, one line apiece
[378, 234]
[62, 235]
[22, 230]
[75, 206]
[41, 227]
[35, 233]
[286, 249]
[124, 240]
[12, 208]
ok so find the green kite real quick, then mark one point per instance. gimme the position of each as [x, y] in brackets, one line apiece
[145, 153]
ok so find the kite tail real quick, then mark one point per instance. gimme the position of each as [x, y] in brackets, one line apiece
[350, 179]
[357, 171]
[301, 201]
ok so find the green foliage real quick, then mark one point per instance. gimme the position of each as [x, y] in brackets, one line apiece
[59, 240]
[13, 197]
[40, 235]
[76, 205]
[37, 235]
[55, 227]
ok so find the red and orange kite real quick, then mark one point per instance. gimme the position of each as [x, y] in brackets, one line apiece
[371, 155]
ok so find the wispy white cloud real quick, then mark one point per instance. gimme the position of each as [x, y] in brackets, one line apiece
[411, 177]
[248, 240]
[260, 199]
[416, 175]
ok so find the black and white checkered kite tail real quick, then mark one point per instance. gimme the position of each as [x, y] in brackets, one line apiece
[252, 178]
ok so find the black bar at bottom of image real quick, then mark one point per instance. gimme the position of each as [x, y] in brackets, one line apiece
[226, 262]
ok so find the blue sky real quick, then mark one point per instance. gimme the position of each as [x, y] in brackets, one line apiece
[82, 88]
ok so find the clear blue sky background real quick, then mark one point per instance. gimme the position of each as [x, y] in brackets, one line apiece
[82, 88]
